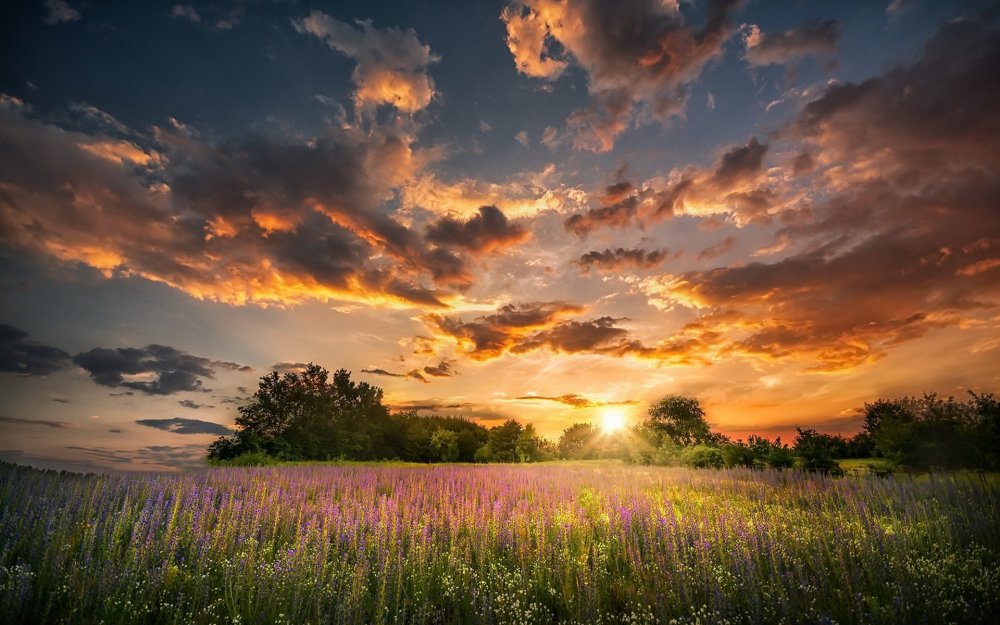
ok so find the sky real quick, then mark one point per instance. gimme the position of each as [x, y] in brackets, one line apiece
[556, 212]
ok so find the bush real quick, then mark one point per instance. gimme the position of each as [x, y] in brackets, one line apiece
[702, 457]
[738, 455]
[780, 458]
[249, 459]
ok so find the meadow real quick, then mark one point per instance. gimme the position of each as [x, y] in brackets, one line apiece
[545, 543]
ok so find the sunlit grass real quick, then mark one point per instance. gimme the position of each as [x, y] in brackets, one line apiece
[576, 543]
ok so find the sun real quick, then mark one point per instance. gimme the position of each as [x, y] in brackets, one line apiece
[612, 420]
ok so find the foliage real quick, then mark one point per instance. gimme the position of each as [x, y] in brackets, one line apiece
[309, 416]
[578, 442]
[680, 419]
[930, 432]
[444, 445]
[503, 544]
[702, 457]
[815, 451]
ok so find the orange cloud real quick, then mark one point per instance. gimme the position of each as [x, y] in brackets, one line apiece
[637, 53]
[392, 63]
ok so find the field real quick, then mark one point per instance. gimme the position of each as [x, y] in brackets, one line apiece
[562, 543]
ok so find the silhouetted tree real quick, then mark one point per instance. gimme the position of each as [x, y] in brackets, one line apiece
[814, 450]
[680, 419]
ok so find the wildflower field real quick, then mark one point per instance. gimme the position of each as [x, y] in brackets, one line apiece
[563, 543]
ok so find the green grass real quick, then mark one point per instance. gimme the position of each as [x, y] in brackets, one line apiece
[864, 465]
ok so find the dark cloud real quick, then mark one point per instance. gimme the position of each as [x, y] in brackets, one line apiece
[179, 425]
[893, 247]
[443, 369]
[737, 182]
[153, 370]
[614, 260]
[740, 163]
[284, 367]
[187, 403]
[26, 357]
[58, 11]
[487, 231]
[425, 405]
[376, 371]
[637, 53]
[251, 219]
[815, 38]
[616, 215]
[489, 336]
[42, 422]
[532, 327]
[576, 401]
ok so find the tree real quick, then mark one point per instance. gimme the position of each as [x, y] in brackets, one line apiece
[680, 419]
[303, 416]
[578, 441]
[528, 447]
[814, 450]
[444, 445]
[503, 441]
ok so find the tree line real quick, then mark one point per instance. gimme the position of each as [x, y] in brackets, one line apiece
[311, 415]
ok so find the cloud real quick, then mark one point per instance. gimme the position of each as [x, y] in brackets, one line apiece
[737, 184]
[523, 194]
[287, 367]
[153, 370]
[740, 163]
[488, 231]
[522, 138]
[179, 425]
[193, 405]
[576, 401]
[22, 356]
[392, 63]
[250, 220]
[443, 369]
[638, 53]
[42, 422]
[185, 11]
[896, 239]
[816, 38]
[615, 260]
[377, 371]
[619, 206]
[420, 405]
[537, 326]
[58, 11]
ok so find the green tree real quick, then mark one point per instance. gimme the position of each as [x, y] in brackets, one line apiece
[503, 441]
[528, 447]
[813, 449]
[680, 419]
[302, 415]
[578, 441]
[444, 445]
[703, 457]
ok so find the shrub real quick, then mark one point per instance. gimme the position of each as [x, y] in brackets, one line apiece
[702, 457]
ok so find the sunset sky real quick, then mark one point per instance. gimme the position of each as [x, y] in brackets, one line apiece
[540, 210]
